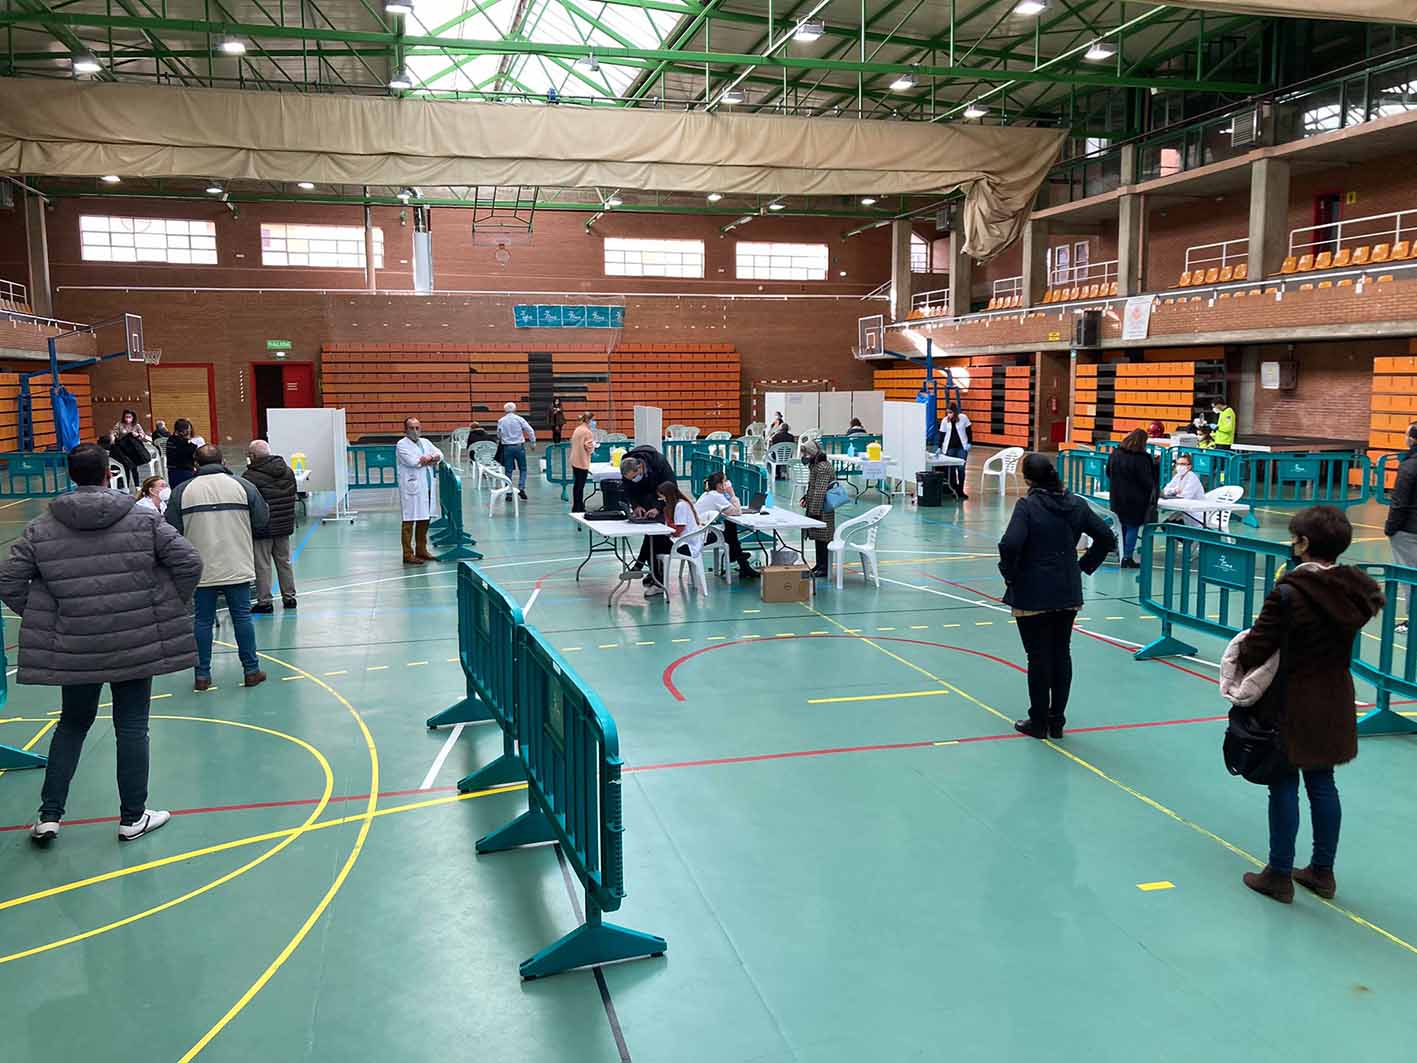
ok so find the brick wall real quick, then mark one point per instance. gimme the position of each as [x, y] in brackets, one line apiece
[1173, 228]
[13, 264]
[1334, 392]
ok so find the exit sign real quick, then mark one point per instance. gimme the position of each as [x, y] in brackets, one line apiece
[278, 345]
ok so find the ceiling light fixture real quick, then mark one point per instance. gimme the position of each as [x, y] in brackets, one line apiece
[903, 83]
[1100, 52]
[975, 110]
[398, 7]
[405, 194]
[214, 189]
[714, 197]
[110, 178]
[229, 45]
[1030, 7]
[305, 186]
[777, 206]
[809, 30]
[401, 80]
[589, 62]
[868, 201]
[85, 63]
[731, 96]
[614, 201]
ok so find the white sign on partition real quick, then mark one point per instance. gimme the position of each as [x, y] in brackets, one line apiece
[903, 433]
[649, 427]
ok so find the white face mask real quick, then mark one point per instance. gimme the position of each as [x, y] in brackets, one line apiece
[164, 495]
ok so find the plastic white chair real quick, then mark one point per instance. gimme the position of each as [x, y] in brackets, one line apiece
[757, 428]
[616, 437]
[156, 464]
[755, 449]
[118, 477]
[812, 434]
[600, 434]
[719, 435]
[863, 528]
[1002, 465]
[800, 475]
[501, 488]
[780, 454]
[457, 445]
[680, 431]
[716, 545]
[683, 552]
[1220, 519]
[484, 455]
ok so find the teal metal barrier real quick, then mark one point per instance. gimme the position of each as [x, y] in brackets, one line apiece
[34, 474]
[373, 466]
[488, 619]
[679, 452]
[450, 528]
[1383, 468]
[556, 465]
[1209, 582]
[700, 466]
[748, 479]
[1084, 472]
[1378, 659]
[723, 449]
[571, 752]
[1302, 478]
[11, 758]
[844, 444]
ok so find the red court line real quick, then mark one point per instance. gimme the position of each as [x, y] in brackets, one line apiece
[668, 675]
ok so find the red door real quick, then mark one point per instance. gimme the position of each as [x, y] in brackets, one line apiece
[298, 385]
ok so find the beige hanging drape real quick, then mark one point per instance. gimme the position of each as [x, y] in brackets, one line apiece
[1403, 11]
[89, 129]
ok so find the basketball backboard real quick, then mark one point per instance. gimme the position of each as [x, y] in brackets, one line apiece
[133, 334]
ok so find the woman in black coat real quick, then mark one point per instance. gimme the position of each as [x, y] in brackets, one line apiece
[1133, 484]
[1039, 562]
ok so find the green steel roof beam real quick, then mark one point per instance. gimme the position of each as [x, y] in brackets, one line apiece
[616, 55]
[756, 47]
[59, 33]
[574, 11]
[260, 49]
[457, 20]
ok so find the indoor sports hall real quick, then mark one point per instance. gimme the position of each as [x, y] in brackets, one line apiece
[411, 324]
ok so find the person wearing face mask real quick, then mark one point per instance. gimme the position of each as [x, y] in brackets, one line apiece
[276, 482]
[1314, 613]
[154, 495]
[642, 470]
[582, 449]
[418, 490]
[1185, 484]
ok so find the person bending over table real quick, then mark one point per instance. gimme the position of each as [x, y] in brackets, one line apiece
[718, 497]
[641, 472]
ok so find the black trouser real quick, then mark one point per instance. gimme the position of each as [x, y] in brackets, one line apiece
[821, 546]
[1047, 639]
[736, 553]
[555, 435]
[658, 544]
[578, 479]
[130, 730]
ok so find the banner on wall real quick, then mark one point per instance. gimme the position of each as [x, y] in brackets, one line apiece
[1136, 318]
[577, 315]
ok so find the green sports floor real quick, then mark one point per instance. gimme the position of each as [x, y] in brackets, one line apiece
[828, 816]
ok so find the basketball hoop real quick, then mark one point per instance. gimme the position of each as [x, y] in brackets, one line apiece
[152, 355]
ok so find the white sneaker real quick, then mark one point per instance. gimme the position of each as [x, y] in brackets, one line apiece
[653, 590]
[44, 833]
[1401, 629]
[150, 822]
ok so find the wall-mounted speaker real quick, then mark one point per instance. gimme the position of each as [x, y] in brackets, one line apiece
[1087, 330]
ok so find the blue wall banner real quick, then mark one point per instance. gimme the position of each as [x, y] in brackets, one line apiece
[575, 315]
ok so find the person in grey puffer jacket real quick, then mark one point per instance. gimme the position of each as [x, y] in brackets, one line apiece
[102, 586]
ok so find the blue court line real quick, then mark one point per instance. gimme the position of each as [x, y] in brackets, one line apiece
[314, 526]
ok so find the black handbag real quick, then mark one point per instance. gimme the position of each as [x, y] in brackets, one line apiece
[1253, 748]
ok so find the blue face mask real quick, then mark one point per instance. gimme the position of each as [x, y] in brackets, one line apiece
[592, 422]
[637, 479]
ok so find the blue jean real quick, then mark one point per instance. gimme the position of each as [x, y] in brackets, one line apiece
[131, 698]
[955, 473]
[1324, 810]
[238, 603]
[1129, 540]
[515, 457]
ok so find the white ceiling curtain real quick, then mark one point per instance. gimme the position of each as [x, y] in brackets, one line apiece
[1401, 11]
[90, 129]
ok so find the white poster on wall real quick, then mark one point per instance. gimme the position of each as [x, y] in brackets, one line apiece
[1136, 318]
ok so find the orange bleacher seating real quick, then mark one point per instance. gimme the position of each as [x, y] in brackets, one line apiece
[1346, 282]
[1402, 250]
[1197, 278]
[1324, 260]
[1290, 265]
[1184, 280]
[1343, 258]
[1325, 284]
[1307, 286]
[1091, 292]
[1112, 288]
[1254, 292]
[1074, 294]
[993, 304]
[1017, 301]
[1382, 253]
[1212, 275]
[1306, 263]
[1227, 274]
[1385, 278]
[1048, 297]
[1242, 271]
[1361, 255]
[1223, 295]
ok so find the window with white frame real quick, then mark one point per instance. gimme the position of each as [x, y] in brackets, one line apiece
[108, 239]
[919, 254]
[318, 246]
[626, 257]
[781, 262]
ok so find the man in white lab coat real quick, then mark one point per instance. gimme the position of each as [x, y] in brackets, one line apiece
[418, 490]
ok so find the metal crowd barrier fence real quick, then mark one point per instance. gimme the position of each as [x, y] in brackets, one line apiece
[747, 480]
[571, 755]
[1390, 668]
[845, 444]
[488, 620]
[700, 466]
[556, 464]
[373, 465]
[1302, 478]
[1209, 582]
[34, 474]
[1383, 468]
[11, 758]
[1084, 472]
[679, 452]
[450, 527]
[723, 449]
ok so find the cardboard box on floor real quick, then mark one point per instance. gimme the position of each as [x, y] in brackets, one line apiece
[786, 583]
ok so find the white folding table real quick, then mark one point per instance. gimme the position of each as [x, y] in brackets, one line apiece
[614, 538]
[1200, 508]
[944, 461]
[774, 522]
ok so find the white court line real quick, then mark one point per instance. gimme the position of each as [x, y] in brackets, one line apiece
[442, 756]
[535, 594]
[435, 575]
[1006, 609]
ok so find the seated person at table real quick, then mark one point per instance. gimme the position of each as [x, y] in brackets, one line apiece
[1185, 484]
[641, 471]
[857, 428]
[718, 497]
[678, 514]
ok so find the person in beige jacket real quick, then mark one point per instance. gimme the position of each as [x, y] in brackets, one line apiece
[582, 447]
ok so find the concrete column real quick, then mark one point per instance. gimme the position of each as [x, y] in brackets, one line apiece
[961, 274]
[370, 277]
[1128, 160]
[1131, 246]
[900, 270]
[1269, 216]
[37, 243]
[1035, 261]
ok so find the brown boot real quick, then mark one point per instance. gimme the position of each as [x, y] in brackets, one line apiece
[1272, 883]
[408, 555]
[421, 531]
[1317, 880]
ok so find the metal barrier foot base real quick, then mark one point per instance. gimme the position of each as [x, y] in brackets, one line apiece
[459, 553]
[1165, 646]
[503, 771]
[1385, 722]
[12, 759]
[592, 944]
[469, 710]
[530, 828]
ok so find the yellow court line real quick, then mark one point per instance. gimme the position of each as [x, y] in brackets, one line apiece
[1149, 887]
[345, 671]
[377, 668]
[415, 664]
[878, 697]
[1150, 802]
[48, 725]
[681, 640]
[335, 886]
[290, 678]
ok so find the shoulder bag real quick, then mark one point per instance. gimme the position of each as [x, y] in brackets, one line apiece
[835, 497]
[1253, 748]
